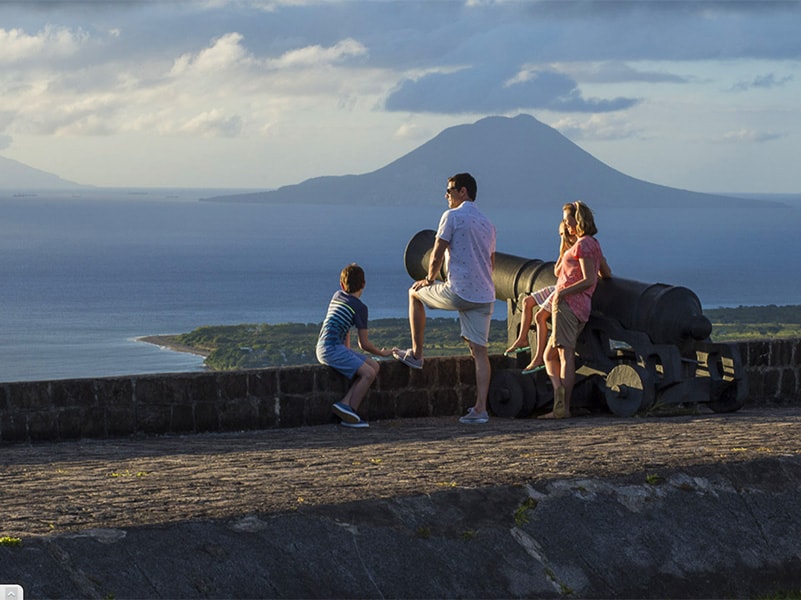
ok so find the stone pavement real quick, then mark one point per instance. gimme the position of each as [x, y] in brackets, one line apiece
[696, 506]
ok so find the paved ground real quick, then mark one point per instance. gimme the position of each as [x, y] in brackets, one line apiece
[56, 488]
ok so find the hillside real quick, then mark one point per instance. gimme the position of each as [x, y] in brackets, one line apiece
[15, 175]
[517, 161]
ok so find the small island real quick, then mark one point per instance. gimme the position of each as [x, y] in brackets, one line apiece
[252, 346]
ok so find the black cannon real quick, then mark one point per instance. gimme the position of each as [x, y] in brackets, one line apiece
[645, 345]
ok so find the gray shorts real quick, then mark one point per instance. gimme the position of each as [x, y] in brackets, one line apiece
[474, 317]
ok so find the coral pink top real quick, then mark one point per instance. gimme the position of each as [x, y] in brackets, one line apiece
[586, 247]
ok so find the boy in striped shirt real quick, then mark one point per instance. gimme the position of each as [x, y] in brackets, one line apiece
[346, 310]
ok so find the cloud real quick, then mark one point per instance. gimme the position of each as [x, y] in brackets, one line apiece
[225, 52]
[616, 72]
[750, 136]
[313, 56]
[597, 128]
[213, 123]
[257, 69]
[483, 89]
[766, 82]
[5, 141]
[411, 131]
[220, 90]
[51, 43]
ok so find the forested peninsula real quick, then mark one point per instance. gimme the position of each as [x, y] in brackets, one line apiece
[249, 346]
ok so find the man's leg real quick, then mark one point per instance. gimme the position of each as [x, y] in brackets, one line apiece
[483, 374]
[417, 323]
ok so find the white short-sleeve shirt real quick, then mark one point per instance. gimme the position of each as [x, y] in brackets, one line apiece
[471, 244]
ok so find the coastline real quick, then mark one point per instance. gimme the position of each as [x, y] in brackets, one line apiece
[170, 342]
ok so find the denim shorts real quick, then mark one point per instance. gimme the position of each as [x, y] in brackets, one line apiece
[341, 358]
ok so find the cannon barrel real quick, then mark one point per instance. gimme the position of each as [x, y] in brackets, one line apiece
[668, 314]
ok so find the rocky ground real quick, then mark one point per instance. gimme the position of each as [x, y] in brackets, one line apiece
[55, 488]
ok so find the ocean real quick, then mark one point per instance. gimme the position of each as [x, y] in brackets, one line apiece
[85, 274]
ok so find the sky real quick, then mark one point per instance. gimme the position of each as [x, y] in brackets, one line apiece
[257, 94]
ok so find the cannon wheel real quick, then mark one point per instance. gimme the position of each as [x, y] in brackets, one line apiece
[629, 389]
[507, 397]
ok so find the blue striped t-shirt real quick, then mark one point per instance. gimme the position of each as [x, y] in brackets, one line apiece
[344, 311]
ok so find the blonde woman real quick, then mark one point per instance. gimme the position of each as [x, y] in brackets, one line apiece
[581, 265]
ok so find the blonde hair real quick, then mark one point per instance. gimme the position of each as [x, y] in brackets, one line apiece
[585, 221]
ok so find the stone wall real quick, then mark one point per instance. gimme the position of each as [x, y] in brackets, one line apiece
[225, 401]
[292, 396]
[774, 370]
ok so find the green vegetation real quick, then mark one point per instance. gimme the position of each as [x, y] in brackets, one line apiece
[521, 516]
[654, 479]
[249, 346]
[127, 473]
[755, 322]
[10, 541]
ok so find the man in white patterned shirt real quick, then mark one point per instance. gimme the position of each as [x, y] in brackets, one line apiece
[465, 243]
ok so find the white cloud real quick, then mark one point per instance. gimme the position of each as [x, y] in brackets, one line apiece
[596, 127]
[313, 56]
[213, 123]
[225, 52]
[219, 90]
[750, 136]
[412, 131]
[50, 43]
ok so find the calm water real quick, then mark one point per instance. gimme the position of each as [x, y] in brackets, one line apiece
[84, 276]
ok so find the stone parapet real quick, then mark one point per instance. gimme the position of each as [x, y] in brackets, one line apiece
[293, 396]
[225, 401]
[773, 368]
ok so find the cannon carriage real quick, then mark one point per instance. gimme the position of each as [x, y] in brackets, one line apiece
[645, 345]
